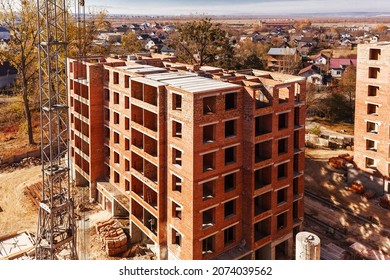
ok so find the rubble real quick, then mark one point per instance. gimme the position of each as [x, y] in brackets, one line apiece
[341, 161]
[113, 237]
[356, 188]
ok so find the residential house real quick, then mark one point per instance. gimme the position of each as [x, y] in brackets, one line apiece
[4, 33]
[338, 65]
[283, 60]
[312, 73]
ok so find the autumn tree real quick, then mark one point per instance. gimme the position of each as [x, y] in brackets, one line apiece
[251, 54]
[202, 42]
[347, 87]
[131, 43]
[21, 20]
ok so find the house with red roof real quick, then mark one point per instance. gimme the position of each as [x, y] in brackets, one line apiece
[338, 65]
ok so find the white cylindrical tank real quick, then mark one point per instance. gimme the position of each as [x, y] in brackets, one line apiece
[307, 246]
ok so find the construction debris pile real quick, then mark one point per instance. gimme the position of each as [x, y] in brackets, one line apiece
[341, 161]
[384, 202]
[113, 237]
[34, 191]
[356, 188]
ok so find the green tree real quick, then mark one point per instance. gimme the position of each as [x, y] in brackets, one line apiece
[202, 42]
[131, 43]
[20, 19]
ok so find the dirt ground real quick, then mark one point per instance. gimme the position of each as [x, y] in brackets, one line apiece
[18, 212]
[330, 183]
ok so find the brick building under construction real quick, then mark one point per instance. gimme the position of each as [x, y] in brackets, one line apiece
[207, 164]
[372, 113]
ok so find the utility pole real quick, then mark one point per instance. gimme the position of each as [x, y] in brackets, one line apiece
[56, 234]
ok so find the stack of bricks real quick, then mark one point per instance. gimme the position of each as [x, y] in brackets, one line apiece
[112, 236]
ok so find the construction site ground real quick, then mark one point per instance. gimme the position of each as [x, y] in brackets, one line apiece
[18, 212]
[330, 184]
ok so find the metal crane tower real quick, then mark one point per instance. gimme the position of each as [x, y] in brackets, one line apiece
[56, 235]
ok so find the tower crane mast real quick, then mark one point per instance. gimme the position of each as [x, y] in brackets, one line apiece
[56, 233]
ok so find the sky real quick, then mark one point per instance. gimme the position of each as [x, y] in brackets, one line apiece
[236, 7]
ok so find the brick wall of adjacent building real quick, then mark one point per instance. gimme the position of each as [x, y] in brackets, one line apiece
[372, 111]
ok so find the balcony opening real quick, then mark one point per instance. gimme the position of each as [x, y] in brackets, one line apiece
[282, 146]
[209, 162]
[296, 187]
[295, 211]
[137, 139]
[262, 99]
[150, 146]
[137, 163]
[116, 97]
[372, 127]
[281, 251]
[127, 81]
[137, 186]
[230, 209]
[137, 90]
[297, 143]
[262, 203]
[116, 118]
[107, 95]
[282, 171]
[230, 101]
[284, 94]
[230, 155]
[209, 105]
[371, 145]
[263, 151]
[127, 102]
[176, 237]
[127, 123]
[283, 121]
[263, 124]
[230, 128]
[176, 183]
[229, 235]
[263, 177]
[116, 177]
[281, 221]
[176, 210]
[209, 133]
[230, 182]
[176, 157]
[116, 137]
[296, 163]
[176, 129]
[127, 165]
[127, 144]
[208, 246]
[127, 186]
[150, 120]
[375, 54]
[116, 158]
[150, 95]
[208, 189]
[373, 90]
[137, 115]
[107, 133]
[373, 72]
[297, 118]
[281, 196]
[262, 229]
[150, 171]
[372, 109]
[116, 77]
[107, 114]
[208, 218]
[176, 102]
[370, 163]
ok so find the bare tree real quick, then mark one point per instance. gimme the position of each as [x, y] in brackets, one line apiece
[21, 20]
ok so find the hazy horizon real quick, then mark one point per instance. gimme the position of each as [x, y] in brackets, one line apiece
[243, 7]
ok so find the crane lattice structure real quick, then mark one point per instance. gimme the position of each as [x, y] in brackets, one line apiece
[56, 235]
